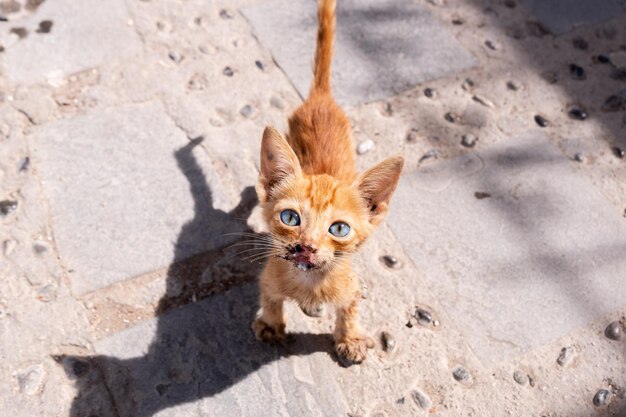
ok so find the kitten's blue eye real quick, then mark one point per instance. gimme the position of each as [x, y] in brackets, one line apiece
[290, 217]
[339, 229]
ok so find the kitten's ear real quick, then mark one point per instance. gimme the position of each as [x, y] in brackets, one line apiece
[377, 184]
[278, 162]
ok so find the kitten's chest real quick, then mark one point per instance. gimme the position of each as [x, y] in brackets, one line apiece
[309, 290]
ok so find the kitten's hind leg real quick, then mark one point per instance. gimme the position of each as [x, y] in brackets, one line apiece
[350, 343]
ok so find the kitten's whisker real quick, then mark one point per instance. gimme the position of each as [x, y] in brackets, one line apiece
[261, 256]
[253, 249]
[272, 244]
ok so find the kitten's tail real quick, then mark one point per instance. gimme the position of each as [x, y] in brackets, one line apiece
[324, 51]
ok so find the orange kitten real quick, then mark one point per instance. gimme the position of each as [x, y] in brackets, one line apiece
[318, 209]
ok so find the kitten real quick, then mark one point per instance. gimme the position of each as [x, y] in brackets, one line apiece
[318, 209]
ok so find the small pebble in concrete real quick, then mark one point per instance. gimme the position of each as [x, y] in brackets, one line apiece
[613, 331]
[577, 113]
[24, 164]
[430, 92]
[451, 117]
[602, 59]
[412, 136]
[516, 32]
[469, 140]
[580, 43]
[259, 65]
[198, 82]
[20, 32]
[388, 341]
[468, 84]
[579, 157]
[246, 111]
[175, 56]
[365, 146]
[423, 316]
[601, 397]
[428, 155]
[484, 101]
[228, 71]
[550, 76]
[164, 26]
[521, 377]
[481, 194]
[7, 207]
[577, 72]
[536, 29]
[513, 85]
[277, 102]
[40, 247]
[615, 102]
[386, 109]
[226, 14]
[161, 389]
[460, 374]
[541, 121]
[45, 26]
[565, 356]
[456, 20]
[421, 399]
[390, 261]
[494, 46]
[619, 152]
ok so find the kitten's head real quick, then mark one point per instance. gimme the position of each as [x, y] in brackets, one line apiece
[315, 220]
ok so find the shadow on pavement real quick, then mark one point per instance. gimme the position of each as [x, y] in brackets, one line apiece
[207, 347]
[197, 351]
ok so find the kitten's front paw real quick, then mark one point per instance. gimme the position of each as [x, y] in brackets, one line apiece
[268, 334]
[354, 350]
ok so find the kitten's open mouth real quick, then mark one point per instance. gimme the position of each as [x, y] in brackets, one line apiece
[304, 266]
[302, 262]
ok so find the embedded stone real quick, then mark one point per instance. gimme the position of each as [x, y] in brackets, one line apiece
[460, 373]
[421, 399]
[520, 377]
[565, 356]
[613, 331]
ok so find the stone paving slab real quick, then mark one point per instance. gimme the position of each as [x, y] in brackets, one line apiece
[203, 359]
[83, 34]
[127, 194]
[561, 16]
[382, 47]
[535, 256]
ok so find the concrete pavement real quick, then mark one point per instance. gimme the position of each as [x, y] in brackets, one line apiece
[129, 135]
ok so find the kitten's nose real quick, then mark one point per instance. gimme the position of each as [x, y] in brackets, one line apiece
[305, 248]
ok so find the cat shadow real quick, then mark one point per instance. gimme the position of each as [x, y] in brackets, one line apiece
[198, 350]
